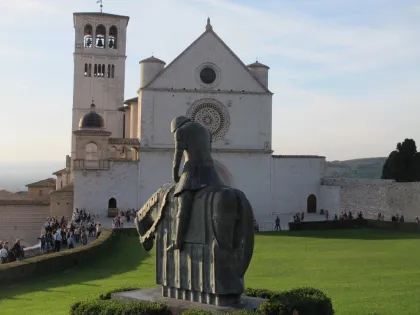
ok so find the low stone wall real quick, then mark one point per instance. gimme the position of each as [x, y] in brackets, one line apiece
[376, 196]
[354, 224]
[32, 251]
[55, 262]
[327, 225]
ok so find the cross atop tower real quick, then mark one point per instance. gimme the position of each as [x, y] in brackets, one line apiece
[101, 5]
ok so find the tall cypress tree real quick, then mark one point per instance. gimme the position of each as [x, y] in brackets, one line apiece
[403, 164]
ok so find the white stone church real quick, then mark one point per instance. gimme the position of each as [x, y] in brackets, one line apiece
[122, 151]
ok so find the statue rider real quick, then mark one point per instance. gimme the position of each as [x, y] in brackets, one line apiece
[193, 141]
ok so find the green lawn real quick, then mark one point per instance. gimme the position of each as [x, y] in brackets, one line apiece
[364, 272]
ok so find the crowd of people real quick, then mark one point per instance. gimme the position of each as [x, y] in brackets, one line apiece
[11, 254]
[56, 234]
[118, 221]
[348, 216]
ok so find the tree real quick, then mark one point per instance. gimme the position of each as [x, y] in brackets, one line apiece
[403, 164]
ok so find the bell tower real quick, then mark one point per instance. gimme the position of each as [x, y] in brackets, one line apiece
[99, 69]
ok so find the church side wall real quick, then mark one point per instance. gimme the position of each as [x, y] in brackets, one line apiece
[250, 118]
[294, 179]
[330, 199]
[378, 196]
[155, 169]
[247, 172]
[251, 174]
[93, 189]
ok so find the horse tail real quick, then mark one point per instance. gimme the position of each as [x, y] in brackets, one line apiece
[246, 229]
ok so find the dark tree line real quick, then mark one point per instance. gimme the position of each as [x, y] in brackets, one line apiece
[403, 164]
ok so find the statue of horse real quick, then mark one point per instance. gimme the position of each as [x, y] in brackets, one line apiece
[217, 248]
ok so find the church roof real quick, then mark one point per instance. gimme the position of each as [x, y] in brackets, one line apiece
[6, 194]
[49, 182]
[91, 120]
[60, 172]
[153, 59]
[298, 156]
[100, 14]
[92, 132]
[131, 141]
[67, 188]
[256, 64]
[133, 100]
[209, 29]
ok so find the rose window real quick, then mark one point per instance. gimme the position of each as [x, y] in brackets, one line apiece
[212, 115]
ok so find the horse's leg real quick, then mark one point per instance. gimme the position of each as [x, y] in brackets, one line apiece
[184, 208]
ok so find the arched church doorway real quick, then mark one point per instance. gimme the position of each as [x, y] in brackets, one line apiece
[311, 204]
[112, 203]
[223, 173]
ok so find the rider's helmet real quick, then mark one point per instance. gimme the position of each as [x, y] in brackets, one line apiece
[178, 122]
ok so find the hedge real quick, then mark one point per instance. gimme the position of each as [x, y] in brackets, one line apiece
[354, 224]
[56, 262]
[302, 301]
[108, 307]
[205, 312]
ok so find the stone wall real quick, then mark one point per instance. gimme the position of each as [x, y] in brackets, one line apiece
[21, 219]
[376, 196]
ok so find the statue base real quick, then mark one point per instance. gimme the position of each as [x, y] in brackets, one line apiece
[177, 303]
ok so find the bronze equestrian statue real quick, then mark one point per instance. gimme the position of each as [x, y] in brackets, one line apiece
[202, 230]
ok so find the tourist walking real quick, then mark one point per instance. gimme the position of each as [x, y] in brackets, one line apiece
[58, 239]
[3, 254]
[277, 227]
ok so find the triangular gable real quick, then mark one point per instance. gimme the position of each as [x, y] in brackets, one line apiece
[249, 81]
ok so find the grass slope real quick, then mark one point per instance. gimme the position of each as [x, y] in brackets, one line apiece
[369, 168]
[364, 272]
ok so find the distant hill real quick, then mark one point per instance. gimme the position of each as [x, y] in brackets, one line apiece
[369, 168]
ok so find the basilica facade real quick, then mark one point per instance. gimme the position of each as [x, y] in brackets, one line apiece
[122, 151]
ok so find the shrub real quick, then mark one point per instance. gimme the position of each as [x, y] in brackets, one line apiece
[101, 307]
[197, 312]
[259, 293]
[307, 301]
[205, 312]
[273, 308]
[107, 295]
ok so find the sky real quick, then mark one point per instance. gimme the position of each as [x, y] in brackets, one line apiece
[345, 73]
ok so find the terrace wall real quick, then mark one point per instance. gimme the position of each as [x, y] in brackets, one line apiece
[372, 197]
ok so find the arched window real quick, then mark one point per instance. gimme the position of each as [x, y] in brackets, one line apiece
[112, 71]
[112, 39]
[86, 69]
[109, 71]
[100, 36]
[88, 39]
[134, 154]
[123, 153]
[91, 151]
[103, 71]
